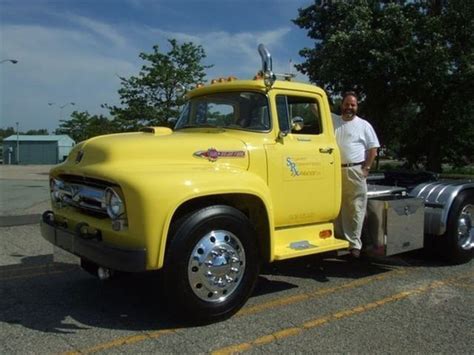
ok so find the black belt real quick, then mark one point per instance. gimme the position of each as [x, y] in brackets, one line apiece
[348, 165]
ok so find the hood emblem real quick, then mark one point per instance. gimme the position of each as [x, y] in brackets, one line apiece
[212, 154]
[79, 156]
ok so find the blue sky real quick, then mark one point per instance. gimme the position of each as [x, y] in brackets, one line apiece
[74, 50]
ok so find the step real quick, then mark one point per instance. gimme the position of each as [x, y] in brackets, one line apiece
[305, 240]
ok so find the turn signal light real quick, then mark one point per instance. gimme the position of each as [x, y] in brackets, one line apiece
[327, 233]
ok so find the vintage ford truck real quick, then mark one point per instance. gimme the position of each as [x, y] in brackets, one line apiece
[250, 174]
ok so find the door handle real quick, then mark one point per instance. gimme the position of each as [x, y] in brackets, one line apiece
[326, 150]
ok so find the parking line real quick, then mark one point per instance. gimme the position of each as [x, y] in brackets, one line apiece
[123, 341]
[246, 311]
[317, 322]
[318, 293]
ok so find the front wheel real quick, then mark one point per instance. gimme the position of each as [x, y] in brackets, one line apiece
[458, 240]
[211, 263]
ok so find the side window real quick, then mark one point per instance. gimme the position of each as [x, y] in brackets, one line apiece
[307, 109]
[283, 114]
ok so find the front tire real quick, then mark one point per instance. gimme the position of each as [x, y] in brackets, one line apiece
[458, 241]
[211, 263]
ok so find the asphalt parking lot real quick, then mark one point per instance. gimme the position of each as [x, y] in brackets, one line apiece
[326, 304]
[24, 193]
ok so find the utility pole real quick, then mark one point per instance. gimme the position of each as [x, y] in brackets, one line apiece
[17, 144]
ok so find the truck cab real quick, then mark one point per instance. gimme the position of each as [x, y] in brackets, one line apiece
[250, 174]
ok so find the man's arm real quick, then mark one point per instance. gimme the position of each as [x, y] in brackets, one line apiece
[369, 160]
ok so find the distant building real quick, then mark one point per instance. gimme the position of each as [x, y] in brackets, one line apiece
[25, 149]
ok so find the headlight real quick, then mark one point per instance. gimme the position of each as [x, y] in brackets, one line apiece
[114, 204]
[55, 188]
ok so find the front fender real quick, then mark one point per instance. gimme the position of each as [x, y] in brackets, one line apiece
[215, 184]
[154, 197]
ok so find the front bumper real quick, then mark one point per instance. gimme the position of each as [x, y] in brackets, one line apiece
[97, 251]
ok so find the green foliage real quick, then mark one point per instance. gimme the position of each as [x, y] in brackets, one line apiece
[412, 64]
[37, 132]
[10, 131]
[82, 126]
[154, 96]
[150, 98]
[7, 132]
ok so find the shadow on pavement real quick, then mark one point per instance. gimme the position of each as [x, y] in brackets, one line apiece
[61, 298]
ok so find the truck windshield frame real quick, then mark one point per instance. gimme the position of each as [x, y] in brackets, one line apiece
[240, 110]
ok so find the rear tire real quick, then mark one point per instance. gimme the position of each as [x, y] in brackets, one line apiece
[211, 263]
[458, 241]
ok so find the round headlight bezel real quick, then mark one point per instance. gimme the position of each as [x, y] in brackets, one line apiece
[114, 203]
[55, 186]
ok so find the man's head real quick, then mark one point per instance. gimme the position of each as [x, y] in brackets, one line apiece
[349, 105]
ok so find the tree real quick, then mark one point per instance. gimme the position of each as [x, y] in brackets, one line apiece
[411, 63]
[7, 132]
[82, 126]
[154, 96]
[37, 132]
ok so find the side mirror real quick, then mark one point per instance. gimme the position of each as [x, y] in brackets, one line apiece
[172, 121]
[297, 123]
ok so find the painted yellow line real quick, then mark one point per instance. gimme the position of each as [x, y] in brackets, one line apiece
[249, 310]
[285, 333]
[123, 341]
[318, 293]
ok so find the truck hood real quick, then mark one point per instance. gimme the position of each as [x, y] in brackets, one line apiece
[161, 147]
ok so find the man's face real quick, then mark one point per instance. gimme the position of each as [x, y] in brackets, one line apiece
[349, 107]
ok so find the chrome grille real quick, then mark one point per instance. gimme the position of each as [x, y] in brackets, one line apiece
[84, 197]
[88, 196]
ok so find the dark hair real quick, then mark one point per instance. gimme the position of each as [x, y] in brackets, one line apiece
[349, 93]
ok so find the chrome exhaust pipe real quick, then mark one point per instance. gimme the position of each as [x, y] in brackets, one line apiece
[267, 66]
[266, 58]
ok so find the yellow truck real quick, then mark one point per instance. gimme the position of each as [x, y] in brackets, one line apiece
[250, 174]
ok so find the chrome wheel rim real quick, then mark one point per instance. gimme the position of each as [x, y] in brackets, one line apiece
[216, 266]
[465, 227]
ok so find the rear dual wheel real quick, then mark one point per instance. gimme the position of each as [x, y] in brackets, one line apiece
[211, 263]
[458, 241]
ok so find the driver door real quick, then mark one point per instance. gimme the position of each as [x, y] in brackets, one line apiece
[303, 167]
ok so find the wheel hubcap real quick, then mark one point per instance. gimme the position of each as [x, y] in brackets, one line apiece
[465, 230]
[216, 266]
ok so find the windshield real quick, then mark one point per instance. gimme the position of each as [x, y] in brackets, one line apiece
[236, 110]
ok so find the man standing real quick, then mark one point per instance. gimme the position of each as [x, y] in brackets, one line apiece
[358, 145]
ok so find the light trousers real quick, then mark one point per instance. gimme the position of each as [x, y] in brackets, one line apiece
[350, 221]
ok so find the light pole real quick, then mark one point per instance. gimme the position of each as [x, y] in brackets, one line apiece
[13, 61]
[17, 144]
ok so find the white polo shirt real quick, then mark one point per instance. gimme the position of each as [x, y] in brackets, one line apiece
[354, 137]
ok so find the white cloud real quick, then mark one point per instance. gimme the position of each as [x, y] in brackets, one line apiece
[106, 31]
[80, 63]
[58, 65]
[235, 53]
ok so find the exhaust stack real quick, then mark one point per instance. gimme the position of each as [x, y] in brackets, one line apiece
[267, 73]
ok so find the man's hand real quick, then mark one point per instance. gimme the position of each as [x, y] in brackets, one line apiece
[365, 170]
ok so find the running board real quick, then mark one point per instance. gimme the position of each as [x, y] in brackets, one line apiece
[307, 240]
